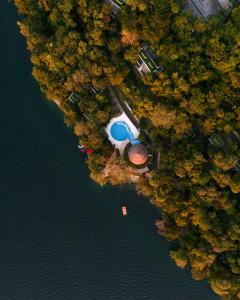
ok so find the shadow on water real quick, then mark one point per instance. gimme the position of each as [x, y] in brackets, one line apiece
[62, 236]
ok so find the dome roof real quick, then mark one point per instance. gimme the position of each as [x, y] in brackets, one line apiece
[138, 154]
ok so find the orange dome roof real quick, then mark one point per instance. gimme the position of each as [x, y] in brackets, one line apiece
[138, 154]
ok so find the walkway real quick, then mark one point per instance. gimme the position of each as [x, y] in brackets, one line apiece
[206, 8]
[118, 98]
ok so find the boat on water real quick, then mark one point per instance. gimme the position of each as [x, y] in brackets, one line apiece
[85, 150]
[124, 210]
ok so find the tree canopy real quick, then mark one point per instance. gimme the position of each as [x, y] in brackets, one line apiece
[78, 43]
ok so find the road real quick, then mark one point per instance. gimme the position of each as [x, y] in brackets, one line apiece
[205, 8]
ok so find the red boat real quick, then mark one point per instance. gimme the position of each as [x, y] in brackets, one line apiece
[89, 151]
[85, 150]
[124, 210]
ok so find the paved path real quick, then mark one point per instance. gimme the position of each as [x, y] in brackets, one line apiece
[118, 98]
[207, 8]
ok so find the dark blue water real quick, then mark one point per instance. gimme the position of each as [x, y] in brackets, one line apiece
[62, 237]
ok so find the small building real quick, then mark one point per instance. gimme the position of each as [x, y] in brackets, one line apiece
[217, 141]
[116, 5]
[94, 90]
[74, 98]
[139, 155]
[147, 61]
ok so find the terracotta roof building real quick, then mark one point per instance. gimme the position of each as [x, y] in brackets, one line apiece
[138, 154]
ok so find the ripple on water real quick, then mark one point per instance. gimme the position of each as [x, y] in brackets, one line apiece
[62, 236]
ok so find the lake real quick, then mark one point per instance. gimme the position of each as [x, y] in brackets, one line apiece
[61, 235]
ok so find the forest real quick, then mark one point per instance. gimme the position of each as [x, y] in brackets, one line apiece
[191, 111]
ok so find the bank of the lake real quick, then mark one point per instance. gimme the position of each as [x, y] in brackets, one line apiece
[62, 236]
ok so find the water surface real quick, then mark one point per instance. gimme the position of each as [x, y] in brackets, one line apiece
[62, 237]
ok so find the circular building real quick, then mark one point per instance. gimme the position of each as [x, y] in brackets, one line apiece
[138, 154]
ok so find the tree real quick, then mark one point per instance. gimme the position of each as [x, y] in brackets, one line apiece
[75, 45]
